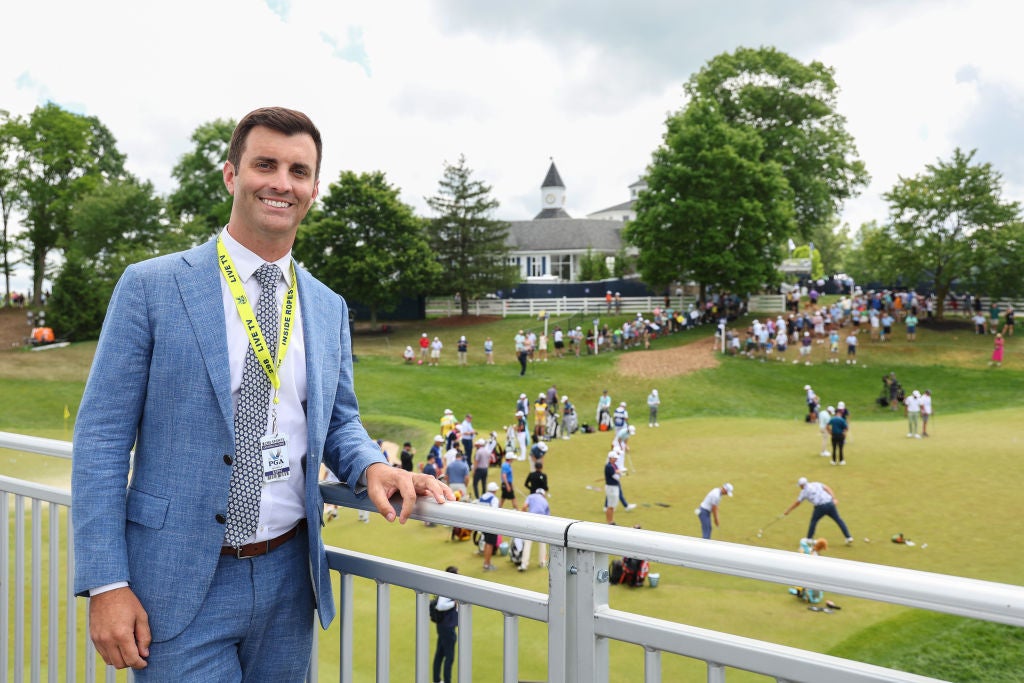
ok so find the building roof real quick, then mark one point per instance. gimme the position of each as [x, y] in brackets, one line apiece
[565, 234]
[552, 213]
[552, 179]
[624, 206]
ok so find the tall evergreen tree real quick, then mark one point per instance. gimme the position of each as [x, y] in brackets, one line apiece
[468, 243]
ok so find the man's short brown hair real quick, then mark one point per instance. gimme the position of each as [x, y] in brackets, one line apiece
[280, 119]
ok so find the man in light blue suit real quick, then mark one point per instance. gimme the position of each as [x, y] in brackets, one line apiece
[191, 575]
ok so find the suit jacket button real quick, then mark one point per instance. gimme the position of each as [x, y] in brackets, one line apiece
[228, 459]
[221, 519]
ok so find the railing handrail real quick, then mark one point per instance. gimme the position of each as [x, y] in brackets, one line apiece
[35, 444]
[988, 600]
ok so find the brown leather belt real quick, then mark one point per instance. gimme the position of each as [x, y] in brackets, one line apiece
[263, 547]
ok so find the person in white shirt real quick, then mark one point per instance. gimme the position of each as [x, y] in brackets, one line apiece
[708, 509]
[823, 418]
[653, 403]
[824, 501]
[912, 410]
[926, 411]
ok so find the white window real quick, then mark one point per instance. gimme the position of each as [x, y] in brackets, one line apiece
[561, 266]
[536, 266]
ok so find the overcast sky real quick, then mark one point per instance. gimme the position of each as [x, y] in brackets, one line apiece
[403, 87]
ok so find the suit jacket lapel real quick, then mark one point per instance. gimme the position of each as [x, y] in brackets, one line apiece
[199, 286]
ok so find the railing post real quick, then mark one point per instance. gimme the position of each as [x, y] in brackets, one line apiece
[652, 665]
[587, 659]
[53, 596]
[312, 671]
[36, 590]
[5, 581]
[346, 609]
[19, 588]
[716, 673]
[558, 637]
[465, 643]
[383, 632]
[423, 638]
[510, 652]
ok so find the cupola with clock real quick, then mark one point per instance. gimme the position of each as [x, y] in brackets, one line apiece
[552, 195]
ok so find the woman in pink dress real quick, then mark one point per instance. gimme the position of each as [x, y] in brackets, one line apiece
[997, 352]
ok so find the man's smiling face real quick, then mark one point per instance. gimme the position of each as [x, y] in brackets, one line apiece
[273, 187]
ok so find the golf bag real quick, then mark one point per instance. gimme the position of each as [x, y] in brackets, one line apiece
[552, 425]
[497, 451]
[511, 441]
[569, 423]
[605, 422]
[629, 571]
[515, 551]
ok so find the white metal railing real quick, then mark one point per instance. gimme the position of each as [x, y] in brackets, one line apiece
[580, 622]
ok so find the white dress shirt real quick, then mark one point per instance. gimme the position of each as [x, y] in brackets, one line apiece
[282, 502]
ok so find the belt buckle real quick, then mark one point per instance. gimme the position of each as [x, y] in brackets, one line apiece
[257, 551]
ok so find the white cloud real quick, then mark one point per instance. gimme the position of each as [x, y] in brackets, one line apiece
[403, 87]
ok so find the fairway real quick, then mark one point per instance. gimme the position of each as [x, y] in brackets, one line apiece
[741, 421]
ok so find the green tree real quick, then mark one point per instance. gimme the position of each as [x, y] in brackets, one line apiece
[804, 251]
[64, 156]
[945, 223]
[999, 263]
[9, 194]
[201, 202]
[792, 106]
[831, 244]
[593, 267]
[366, 244]
[112, 227]
[625, 263]
[119, 218]
[714, 212]
[870, 257]
[79, 300]
[469, 244]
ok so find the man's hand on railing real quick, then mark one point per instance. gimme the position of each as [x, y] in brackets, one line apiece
[119, 627]
[384, 481]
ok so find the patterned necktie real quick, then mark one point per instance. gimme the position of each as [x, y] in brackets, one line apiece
[251, 418]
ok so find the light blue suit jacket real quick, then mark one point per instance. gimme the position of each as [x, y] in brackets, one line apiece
[160, 383]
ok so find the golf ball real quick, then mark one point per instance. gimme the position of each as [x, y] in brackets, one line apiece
[924, 545]
[867, 540]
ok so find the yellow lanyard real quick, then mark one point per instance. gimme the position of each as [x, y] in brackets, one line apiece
[252, 327]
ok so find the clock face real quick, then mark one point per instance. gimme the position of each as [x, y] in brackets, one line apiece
[549, 198]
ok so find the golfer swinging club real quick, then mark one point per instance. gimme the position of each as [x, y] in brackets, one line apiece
[824, 502]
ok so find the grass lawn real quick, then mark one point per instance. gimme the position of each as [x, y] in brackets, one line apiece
[741, 422]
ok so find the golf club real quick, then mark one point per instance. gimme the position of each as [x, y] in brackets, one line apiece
[760, 532]
[628, 461]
